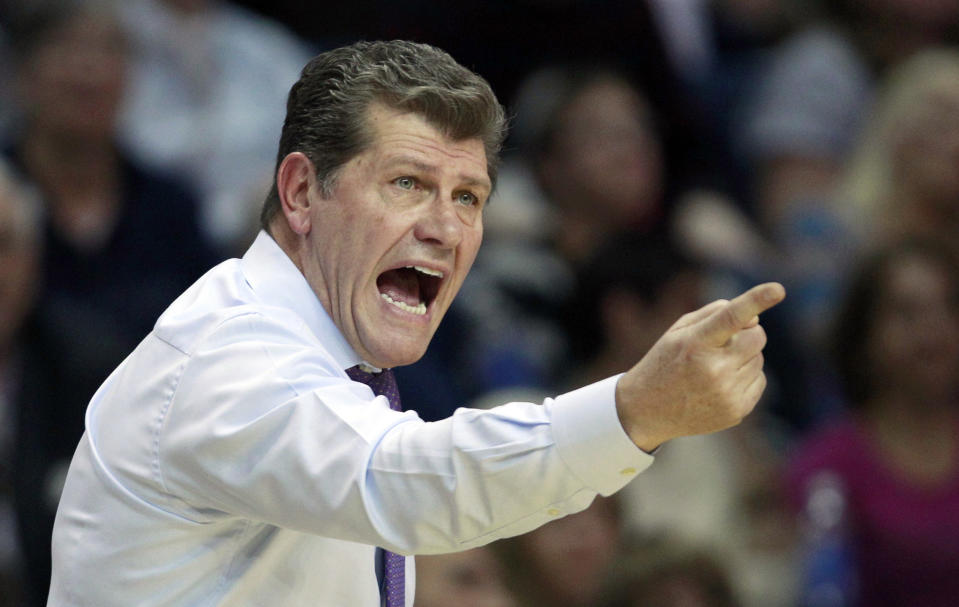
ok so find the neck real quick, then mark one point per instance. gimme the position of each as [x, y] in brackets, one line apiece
[286, 240]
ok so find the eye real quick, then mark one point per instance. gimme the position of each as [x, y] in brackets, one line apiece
[405, 183]
[467, 199]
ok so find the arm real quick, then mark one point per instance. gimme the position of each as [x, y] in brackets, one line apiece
[280, 435]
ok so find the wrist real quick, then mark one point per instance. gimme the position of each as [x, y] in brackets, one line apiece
[636, 430]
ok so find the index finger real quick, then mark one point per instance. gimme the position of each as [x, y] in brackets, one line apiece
[739, 313]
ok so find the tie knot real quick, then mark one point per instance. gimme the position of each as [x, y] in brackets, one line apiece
[382, 384]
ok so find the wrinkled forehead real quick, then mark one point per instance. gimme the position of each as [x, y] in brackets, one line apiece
[378, 108]
[405, 133]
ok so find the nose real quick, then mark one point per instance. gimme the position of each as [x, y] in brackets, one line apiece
[439, 224]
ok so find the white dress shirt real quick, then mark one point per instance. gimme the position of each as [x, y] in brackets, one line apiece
[229, 460]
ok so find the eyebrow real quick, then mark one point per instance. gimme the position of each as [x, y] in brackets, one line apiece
[421, 166]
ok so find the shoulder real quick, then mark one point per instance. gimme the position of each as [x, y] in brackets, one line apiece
[221, 317]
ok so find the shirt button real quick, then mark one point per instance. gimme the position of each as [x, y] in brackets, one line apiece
[553, 512]
[628, 471]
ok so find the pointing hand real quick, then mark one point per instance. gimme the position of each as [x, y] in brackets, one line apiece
[703, 375]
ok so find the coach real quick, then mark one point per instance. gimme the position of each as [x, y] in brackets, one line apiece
[252, 450]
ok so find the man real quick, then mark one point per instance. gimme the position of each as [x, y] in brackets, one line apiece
[231, 460]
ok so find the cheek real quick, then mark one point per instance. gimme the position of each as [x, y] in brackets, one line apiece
[466, 252]
[472, 241]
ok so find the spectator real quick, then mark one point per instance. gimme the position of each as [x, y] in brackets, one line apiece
[566, 562]
[119, 242]
[896, 453]
[47, 372]
[592, 139]
[208, 84]
[904, 175]
[668, 574]
[818, 87]
[472, 578]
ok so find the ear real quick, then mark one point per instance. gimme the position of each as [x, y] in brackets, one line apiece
[294, 183]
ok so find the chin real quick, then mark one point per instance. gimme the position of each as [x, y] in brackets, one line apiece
[396, 356]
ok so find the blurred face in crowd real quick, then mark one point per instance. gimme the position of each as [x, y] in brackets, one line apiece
[926, 148]
[915, 332]
[72, 81]
[572, 555]
[18, 266]
[605, 155]
[472, 578]
[388, 251]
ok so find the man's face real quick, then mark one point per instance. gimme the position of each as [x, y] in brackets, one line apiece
[388, 251]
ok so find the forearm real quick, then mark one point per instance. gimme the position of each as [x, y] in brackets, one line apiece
[482, 475]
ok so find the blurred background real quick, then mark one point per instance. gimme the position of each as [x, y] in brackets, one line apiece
[663, 153]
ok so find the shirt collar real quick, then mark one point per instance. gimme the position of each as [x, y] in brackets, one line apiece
[278, 282]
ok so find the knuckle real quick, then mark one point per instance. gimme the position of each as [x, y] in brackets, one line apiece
[729, 318]
[715, 373]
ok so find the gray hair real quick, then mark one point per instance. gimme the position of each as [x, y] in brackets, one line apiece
[327, 107]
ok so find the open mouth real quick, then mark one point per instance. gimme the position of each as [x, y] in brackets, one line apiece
[411, 288]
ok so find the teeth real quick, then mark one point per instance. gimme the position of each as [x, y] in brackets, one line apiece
[427, 271]
[419, 309]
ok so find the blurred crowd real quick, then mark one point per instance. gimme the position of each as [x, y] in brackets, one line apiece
[663, 153]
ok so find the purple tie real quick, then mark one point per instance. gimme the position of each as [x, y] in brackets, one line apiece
[394, 565]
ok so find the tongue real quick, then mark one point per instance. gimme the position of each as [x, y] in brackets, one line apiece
[400, 285]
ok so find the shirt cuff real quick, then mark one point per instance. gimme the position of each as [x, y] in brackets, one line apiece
[592, 441]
